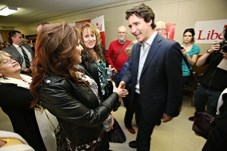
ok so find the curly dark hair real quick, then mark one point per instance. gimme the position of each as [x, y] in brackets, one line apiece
[142, 11]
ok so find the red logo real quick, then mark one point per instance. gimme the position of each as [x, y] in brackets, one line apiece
[209, 35]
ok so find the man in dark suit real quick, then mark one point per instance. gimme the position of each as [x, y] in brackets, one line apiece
[22, 53]
[154, 73]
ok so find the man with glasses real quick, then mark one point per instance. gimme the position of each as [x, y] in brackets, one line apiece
[116, 55]
[22, 53]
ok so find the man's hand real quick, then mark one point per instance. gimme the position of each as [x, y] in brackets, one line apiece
[122, 85]
[122, 92]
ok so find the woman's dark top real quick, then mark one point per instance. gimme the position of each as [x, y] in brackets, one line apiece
[15, 102]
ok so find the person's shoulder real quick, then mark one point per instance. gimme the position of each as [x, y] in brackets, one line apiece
[128, 41]
[8, 48]
[196, 46]
[54, 83]
[168, 41]
[136, 45]
[27, 46]
[53, 79]
[113, 42]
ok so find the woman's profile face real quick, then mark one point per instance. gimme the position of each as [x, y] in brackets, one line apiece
[9, 66]
[89, 38]
[77, 54]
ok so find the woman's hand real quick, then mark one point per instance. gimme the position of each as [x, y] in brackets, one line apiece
[120, 90]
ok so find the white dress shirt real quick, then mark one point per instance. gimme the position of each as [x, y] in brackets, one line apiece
[27, 52]
[144, 49]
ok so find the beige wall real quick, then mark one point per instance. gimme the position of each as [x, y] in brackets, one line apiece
[184, 13]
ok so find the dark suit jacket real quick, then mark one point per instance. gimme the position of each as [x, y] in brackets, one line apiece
[160, 81]
[12, 50]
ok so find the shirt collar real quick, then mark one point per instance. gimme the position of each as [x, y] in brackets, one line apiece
[150, 40]
[15, 45]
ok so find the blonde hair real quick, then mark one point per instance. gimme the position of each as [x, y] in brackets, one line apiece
[3, 55]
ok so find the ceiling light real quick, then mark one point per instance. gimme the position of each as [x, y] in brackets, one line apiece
[7, 11]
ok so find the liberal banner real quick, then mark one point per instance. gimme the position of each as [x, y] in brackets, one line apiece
[209, 31]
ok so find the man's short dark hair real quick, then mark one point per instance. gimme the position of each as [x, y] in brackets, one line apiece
[142, 11]
[12, 33]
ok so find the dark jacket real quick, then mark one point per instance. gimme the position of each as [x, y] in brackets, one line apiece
[76, 107]
[15, 102]
[214, 78]
[92, 70]
[160, 87]
[12, 50]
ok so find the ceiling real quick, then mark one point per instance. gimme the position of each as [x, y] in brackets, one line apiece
[39, 10]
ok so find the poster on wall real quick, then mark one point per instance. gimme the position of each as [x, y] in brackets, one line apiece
[170, 30]
[209, 31]
[79, 24]
[100, 24]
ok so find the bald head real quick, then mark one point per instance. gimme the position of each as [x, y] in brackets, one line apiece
[161, 28]
[122, 34]
[122, 29]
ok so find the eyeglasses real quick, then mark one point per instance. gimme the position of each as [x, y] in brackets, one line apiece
[6, 61]
[121, 32]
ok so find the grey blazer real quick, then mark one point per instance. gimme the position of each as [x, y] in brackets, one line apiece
[12, 50]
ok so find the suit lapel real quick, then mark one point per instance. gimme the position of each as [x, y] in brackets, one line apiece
[16, 51]
[18, 56]
[137, 56]
[152, 51]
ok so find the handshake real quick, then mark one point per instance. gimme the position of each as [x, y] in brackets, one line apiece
[120, 90]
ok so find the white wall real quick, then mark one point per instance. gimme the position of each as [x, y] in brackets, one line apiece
[184, 13]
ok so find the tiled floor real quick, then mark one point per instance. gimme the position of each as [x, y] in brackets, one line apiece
[175, 135]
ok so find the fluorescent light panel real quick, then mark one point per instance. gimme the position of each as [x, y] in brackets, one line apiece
[7, 11]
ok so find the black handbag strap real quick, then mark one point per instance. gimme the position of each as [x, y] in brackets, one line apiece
[120, 51]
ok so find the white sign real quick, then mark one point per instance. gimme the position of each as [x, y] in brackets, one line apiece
[209, 31]
[99, 23]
